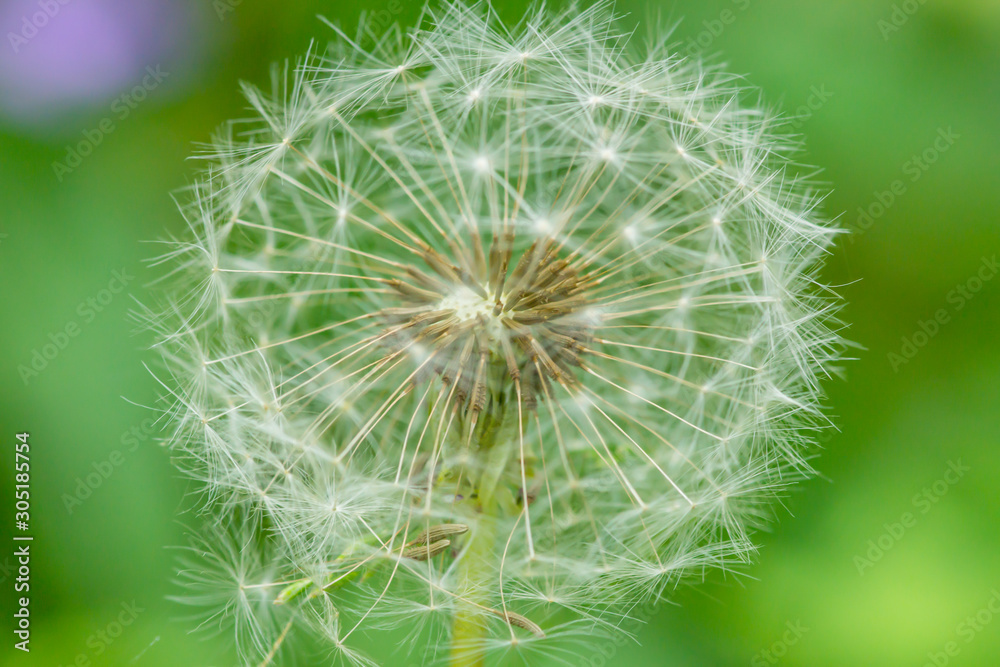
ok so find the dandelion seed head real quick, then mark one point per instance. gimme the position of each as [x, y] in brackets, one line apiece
[489, 325]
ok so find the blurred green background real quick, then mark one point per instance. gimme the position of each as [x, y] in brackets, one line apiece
[885, 560]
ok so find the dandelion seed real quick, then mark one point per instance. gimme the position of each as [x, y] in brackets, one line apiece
[438, 532]
[425, 551]
[524, 328]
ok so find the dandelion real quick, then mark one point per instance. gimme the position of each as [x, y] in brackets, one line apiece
[490, 334]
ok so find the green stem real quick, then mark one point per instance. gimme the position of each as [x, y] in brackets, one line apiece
[469, 627]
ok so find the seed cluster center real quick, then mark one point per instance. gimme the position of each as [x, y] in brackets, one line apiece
[484, 328]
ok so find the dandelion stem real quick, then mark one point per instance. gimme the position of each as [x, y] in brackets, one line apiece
[469, 625]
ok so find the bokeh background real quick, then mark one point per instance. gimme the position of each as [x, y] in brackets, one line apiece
[899, 104]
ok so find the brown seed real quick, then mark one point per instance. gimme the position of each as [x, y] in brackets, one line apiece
[435, 533]
[520, 622]
[425, 551]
